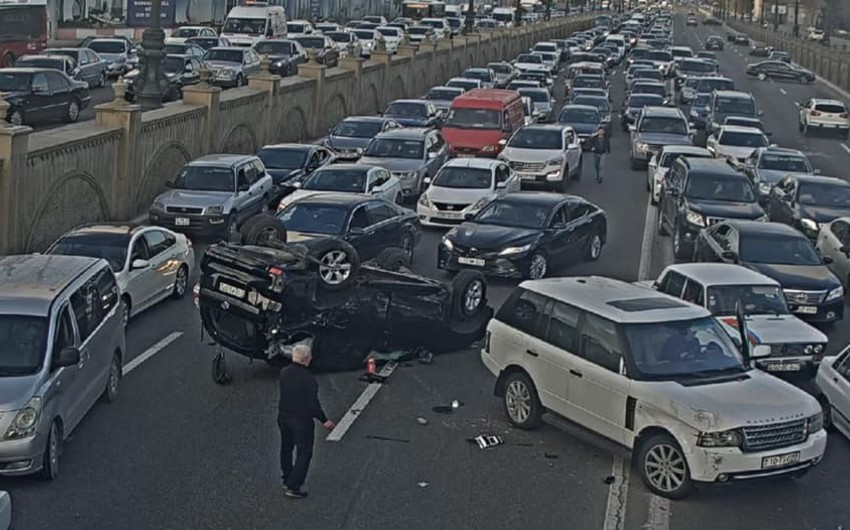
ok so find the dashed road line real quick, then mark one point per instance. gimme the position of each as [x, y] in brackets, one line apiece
[153, 350]
[659, 514]
[783, 92]
[844, 146]
[646, 242]
[359, 406]
[618, 493]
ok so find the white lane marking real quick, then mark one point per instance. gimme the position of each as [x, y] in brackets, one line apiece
[153, 350]
[618, 494]
[782, 91]
[359, 406]
[646, 242]
[659, 514]
[697, 36]
[844, 146]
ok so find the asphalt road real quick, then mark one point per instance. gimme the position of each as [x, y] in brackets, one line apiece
[178, 451]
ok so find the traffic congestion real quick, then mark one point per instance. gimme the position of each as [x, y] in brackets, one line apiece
[620, 257]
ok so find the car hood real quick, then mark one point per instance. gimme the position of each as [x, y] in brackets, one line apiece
[732, 151]
[726, 209]
[15, 392]
[532, 66]
[471, 137]
[664, 138]
[456, 195]
[492, 237]
[275, 57]
[194, 198]
[803, 277]
[223, 64]
[282, 175]
[823, 214]
[755, 399]
[515, 154]
[775, 329]
[392, 164]
[347, 142]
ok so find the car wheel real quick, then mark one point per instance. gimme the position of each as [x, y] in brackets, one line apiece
[231, 228]
[181, 283]
[263, 230]
[126, 307]
[101, 80]
[762, 76]
[678, 245]
[659, 224]
[338, 263]
[538, 266]
[113, 382]
[406, 244]
[15, 116]
[52, 452]
[522, 405]
[594, 247]
[240, 80]
[393, 259]
[73, 113]
[469, 294]
[826, 407]
[663, 467]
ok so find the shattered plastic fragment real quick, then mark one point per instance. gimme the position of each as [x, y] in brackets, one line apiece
[550, 456]
[422, 421]
[443, 409]
[422, 484]
[486, 441]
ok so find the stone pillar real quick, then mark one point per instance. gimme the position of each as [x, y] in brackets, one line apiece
[205, 95]
[120, 113]
[355, 64]
[407, 48]
[14, 145]
[269, 83]
[313, 70]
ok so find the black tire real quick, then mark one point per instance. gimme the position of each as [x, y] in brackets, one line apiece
[181, 283]
[52, 452]
[101, 80]
[679, 253]
[231, 228]
[113, 381]
[407, 245]
[240, 81]
[220, 373]
[659, 224]
[533, 270]
[338, 263]
[521, 402]
[673, 482]
[469, 294]
[827, 413]
[73, 112]
[594, 247]
[8, 60]
[393, 259]
[126, 306]
[263, 230]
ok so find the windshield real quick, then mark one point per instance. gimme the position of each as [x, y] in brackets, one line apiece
[702, 100]
[690, 348]
[537, 96]
[724, 188]
[657, 124]
[742, 139]
[176, 49]
[332, 179]
[529, 138]
[311, 42]
[357, 129]
[185, 33]
[271, 47]
[682, 52]
[248, 26]
[108, 46]
[406, 110]
[653, 75]
[339, 36]
[14, 81]
[588, 82]
[743, 106]
[825, 194]
[700, 67]
[225, 55]
[314, 218]
[365, 34]
[438, 94]
[483, 75]
[658, 55]
[27, 62]
[513, 214]
[792, 163]
[392, 148]
[23, 341]
[205, 178]
[173, 64]
[594, 101]
[464, 177]
[388, 32]
[754, 300]
[111, 247]
[279, 158]
[419, 30]
[778, 250]
[649, 88]
[638, 101]
[500, 68]
[574, 115]
[204, 42]
[460, 83]
[295, 27]
[474, 119]
[529, 59]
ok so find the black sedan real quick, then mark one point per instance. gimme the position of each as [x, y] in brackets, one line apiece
[285, 55]
[808, 202]
[525, 235]
[42, 94]
[784, 254]
[714, 42]
[290, 163]
[780, 70]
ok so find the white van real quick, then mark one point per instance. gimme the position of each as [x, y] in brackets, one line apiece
[251, 22]
[505, 15]
[620, 41]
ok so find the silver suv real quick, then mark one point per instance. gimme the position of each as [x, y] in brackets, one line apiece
[657, 127]
[214, 194]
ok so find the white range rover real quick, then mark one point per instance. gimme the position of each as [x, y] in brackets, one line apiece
[653, 373]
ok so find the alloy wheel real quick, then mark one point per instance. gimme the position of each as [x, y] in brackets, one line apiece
[473, 296]
[335, 267]
[595, 246]
[181, 282]
[537, 267]
[73, 111]
[518, 401]
[665, 468]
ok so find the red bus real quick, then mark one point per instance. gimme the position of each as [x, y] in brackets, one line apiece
[23, 30]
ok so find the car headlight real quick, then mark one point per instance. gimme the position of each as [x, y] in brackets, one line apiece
[214, 210]
[815, 423]
[838, 292]
[641, 146]
[817, 349]
[448, 243]
[408, 175]
[226, 72]
[424, 201]
[515, 250]
[26, 420]
[158, 206]
[810, 224]
[555, 162]
[695, 218]
[730, 438]
[279, 64]
[477, 205]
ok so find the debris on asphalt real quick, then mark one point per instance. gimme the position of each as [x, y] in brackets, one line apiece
[486, 441]
[550, 456]
[455, 404]
[373, 378]
[524, 444]
[422, 484]
[387, 438]
[609, 479]
[422, 421]
[425, 356]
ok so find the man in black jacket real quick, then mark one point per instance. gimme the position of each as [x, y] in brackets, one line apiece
[600, 144]
[299, 406]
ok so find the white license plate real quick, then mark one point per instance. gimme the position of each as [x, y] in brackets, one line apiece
[807, 310]
[780, 460]
[181, 221]
[528, 176]
[783, 367]
[451, 215]
[471, 261]
[231, 290]
[465, 155]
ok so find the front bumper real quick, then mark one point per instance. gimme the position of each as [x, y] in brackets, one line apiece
[431, 216]
[197, 224]
[223, 82]
[493, 265]
[826, 312]
[23, 456]
[804, 365]
[409, 185]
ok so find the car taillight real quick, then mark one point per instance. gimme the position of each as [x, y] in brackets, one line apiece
[276, 271]
[277, 276]
[815, 113]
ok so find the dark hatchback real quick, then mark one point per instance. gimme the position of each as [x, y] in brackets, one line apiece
[813, 292]
[525, 235]
[290, 163]
[807, 202]
[776, 69]
[42, 94]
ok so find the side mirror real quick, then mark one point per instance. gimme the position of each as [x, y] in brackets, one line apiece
[632, 128]
[760, 351]
[816, 172]
[139, 264]
[297, 184]
[432, 155]
[729, 255]
[501, 185]
[356, 231]
[468, 216]
[827, 260]
[66, 357]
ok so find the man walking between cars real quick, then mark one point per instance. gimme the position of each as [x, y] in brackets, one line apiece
[600, 144]
[299, 406]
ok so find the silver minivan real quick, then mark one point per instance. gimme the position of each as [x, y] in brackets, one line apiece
[61, 348]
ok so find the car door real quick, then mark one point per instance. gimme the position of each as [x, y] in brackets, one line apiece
[247, 202]
[141, 276]
[68, 382]
[161, 250]
[559, 343]
[60, 92]
[573, 149]
[781, 200]
[384, 223]
[39, 105]
[694, 292]
[359, 233]
[87, 309]
[834, 381]
[505, 180]
[557, 241]
[671, 191]
[382, 186]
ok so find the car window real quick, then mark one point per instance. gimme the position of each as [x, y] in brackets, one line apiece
[693, 292]
[56, 82]
[107, 288]
[64, 334]
[378, 212]
[522, 311]
[39, 83]
[503, 173]
[842, 366]
[139, 250]
[158, 241]
[600, 343]
[562, 331]
[242, 178]
[578, 210]
[672, 284]
[841, 230]
[358, 218]
[560, 217]
[87, 311]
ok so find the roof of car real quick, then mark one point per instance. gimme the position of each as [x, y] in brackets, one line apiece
[758, 227]
[821, 179]
[347, 200]
[545, 127]
[25, 70]
[107, 228]
[685, 150]
[817, 101]
[616, 300]
[352, 166]
[775, 149]
[580, 107]
[66, 49]
[107, 39]
[722, 274]
[29, 283]
[220, 159]
[481, 163]
[48, 57]
[376, 119]
[711, 166]
[662, 111]
[740, 129]
[452, 88]
[538, 197]
[408, 101]
[733, 94]
[303, 147]
[217, 48]
[405, 133]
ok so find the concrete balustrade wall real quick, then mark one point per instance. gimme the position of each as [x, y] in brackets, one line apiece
[113, 167]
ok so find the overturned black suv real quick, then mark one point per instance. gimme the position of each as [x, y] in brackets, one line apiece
[261, 296]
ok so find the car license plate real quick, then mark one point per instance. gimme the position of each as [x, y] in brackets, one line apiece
[780, 460]
[451, 215]
[232, 290]
[528, 176]
[806, 310]
[471, 261]
[181, 221]
[783, 367]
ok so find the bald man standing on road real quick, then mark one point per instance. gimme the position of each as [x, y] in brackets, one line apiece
[299, 406]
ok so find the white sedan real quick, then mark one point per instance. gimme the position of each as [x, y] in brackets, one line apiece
[347, 178]
[736, 143]
[833, 380]
[462, 187]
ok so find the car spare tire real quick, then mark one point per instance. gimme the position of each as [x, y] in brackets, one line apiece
[469, 294]
[264, 231]
[338, 263]
[393, 259]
